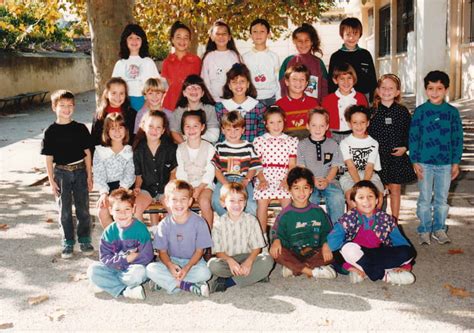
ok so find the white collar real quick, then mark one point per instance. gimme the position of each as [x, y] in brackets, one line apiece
[246, 106]
[107, 152]
[350, 96]
[268, 136]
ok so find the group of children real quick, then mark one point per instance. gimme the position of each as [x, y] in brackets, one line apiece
[239, 124]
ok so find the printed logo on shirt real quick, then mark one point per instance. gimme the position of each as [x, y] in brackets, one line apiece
[312, 88]
[388, 121]
[360, 156]
[300, 225]
[315, 223]
[167, 165]
[364, 67]
[132, 71]
[233, 166]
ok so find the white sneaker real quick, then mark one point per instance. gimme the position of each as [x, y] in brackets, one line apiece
[354, 277]
[286, 272]
[399, 278]
[134, 293]
[200, 289]
[324, 272]
[441, 237]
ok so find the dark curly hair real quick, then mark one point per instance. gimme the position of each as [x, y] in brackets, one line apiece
[127, 31]
[239, 70]
[313, 35]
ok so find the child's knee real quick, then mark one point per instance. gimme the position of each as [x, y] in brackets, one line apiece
[352, 252]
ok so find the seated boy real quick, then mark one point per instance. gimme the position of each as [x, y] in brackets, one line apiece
[181, 239]
[323, 157]
[125, 250]
[344, 76]
[300, 231]
[235, 160]
[238, 241]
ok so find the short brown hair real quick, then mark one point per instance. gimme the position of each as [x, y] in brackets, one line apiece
[121, 195]
[274, 109]
[344, 68]
[232, 119]
[113, 119]
[298, 68]
[363, 183]
[352, 23]
[178, 185]
[154, 84]
[319, 110]
[232, 187]
[61, 94]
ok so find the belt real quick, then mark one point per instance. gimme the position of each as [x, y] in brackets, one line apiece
[274, 165]
[73, 167]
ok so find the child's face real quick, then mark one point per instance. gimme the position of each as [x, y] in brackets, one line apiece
[303, 43]
[388, 91]
[233, 134]
[134, 43]
[239, 85]
[153, 128]
[117, 132]
[345, 83]
[181, 40]
[64, 109]
[317, 127]
[193, 93]
[300, 192]
[220, 35]
[351, 38]
[179, 202]
[365, 201]
[235, 204]
[436, 92]
[359, 124]
[259, 34]
[275, 124]
[154, 98]
[296, 84]
[116, 95]
[193, 127]
[122, 212]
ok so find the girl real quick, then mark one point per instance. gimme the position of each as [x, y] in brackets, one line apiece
[278, 153]
[194, 161]
[135, 66]
[180, 64]
[155, 162]
[195, 96]
[221, 53]
[113, 163]
[390, 125]
[240, 94]
[369, 240]
[153, 91]
[114, 100]
[307, 43]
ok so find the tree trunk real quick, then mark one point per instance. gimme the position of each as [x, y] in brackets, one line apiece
[106, 19]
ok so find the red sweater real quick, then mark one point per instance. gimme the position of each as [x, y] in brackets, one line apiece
[296, 111]
[330, 103]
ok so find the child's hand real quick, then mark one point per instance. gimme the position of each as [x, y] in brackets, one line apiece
[275, 249]
[136, 191]
[182, 273]
[262, 184]
[321, 183]
[132, 256]
[418, 170]
[399, 151]
[103, 201]
[327, 253]
[454, 171]
[234, 266]
[174, 270]
[245, 268]
[55, 188]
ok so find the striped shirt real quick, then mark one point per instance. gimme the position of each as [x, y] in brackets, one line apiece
[319, 156]
[235, 159]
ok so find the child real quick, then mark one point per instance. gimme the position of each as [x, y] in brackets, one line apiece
[153, 90]
[66, 146]
[179, 65]
[238, 241]
[360, 59]
[296, 104]
[195, 96]
[360, 153]
[436, 144]
[239, 94]
[337, 102]
[114, 100]
[278, 156]
[390, 126]
[370, 241]
[300, 231]
[135, 65]
[181, 239]
[235, 160]
[323, 157]
[221, 53]
[113, 164]
[155, 162]
[194, 161]
[307, 43]
[125, 250]
[263, 64]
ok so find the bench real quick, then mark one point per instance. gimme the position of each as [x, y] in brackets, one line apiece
[17, 100]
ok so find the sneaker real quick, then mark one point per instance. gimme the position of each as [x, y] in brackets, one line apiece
[87, 249]
[424, 238]
[134, 293]
[354, 277]
[399, 278]
[67, 251]
[286, 272]
[153, 286]
[441, 237]
[217, 285]
[200, 289]
[324, 272]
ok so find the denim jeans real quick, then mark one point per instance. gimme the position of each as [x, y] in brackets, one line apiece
[251, 207]
[160, 274]
[114, 281]
[334, 199]
[432, 206]
[73, 185]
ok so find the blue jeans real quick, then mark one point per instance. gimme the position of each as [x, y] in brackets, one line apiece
[251, 207]
[73, 185]
[334, 198]
[115, 281]
[160, 274]
[432, 206]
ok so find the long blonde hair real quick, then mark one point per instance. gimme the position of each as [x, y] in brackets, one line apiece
[395, 79]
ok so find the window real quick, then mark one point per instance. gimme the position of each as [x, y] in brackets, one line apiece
[384, 31]
[370, 19]
[471, 23]
[405, 23]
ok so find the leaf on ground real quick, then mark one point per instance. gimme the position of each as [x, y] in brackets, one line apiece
[4, 227]
[49, 220]
[5, 326]
[78, 277]
[459, 292]
[57, 315]
[455, 251]
[37, 299]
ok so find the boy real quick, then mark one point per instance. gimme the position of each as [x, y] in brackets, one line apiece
[235, 160]
[263, 63]
[300, 232]
[181, 239]
[360, 153]
[344, 76]
[238, 241]
[296, 104]
[436, 144]
[360, 59]
[125, 250]
[66, 145]
[323, 157]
